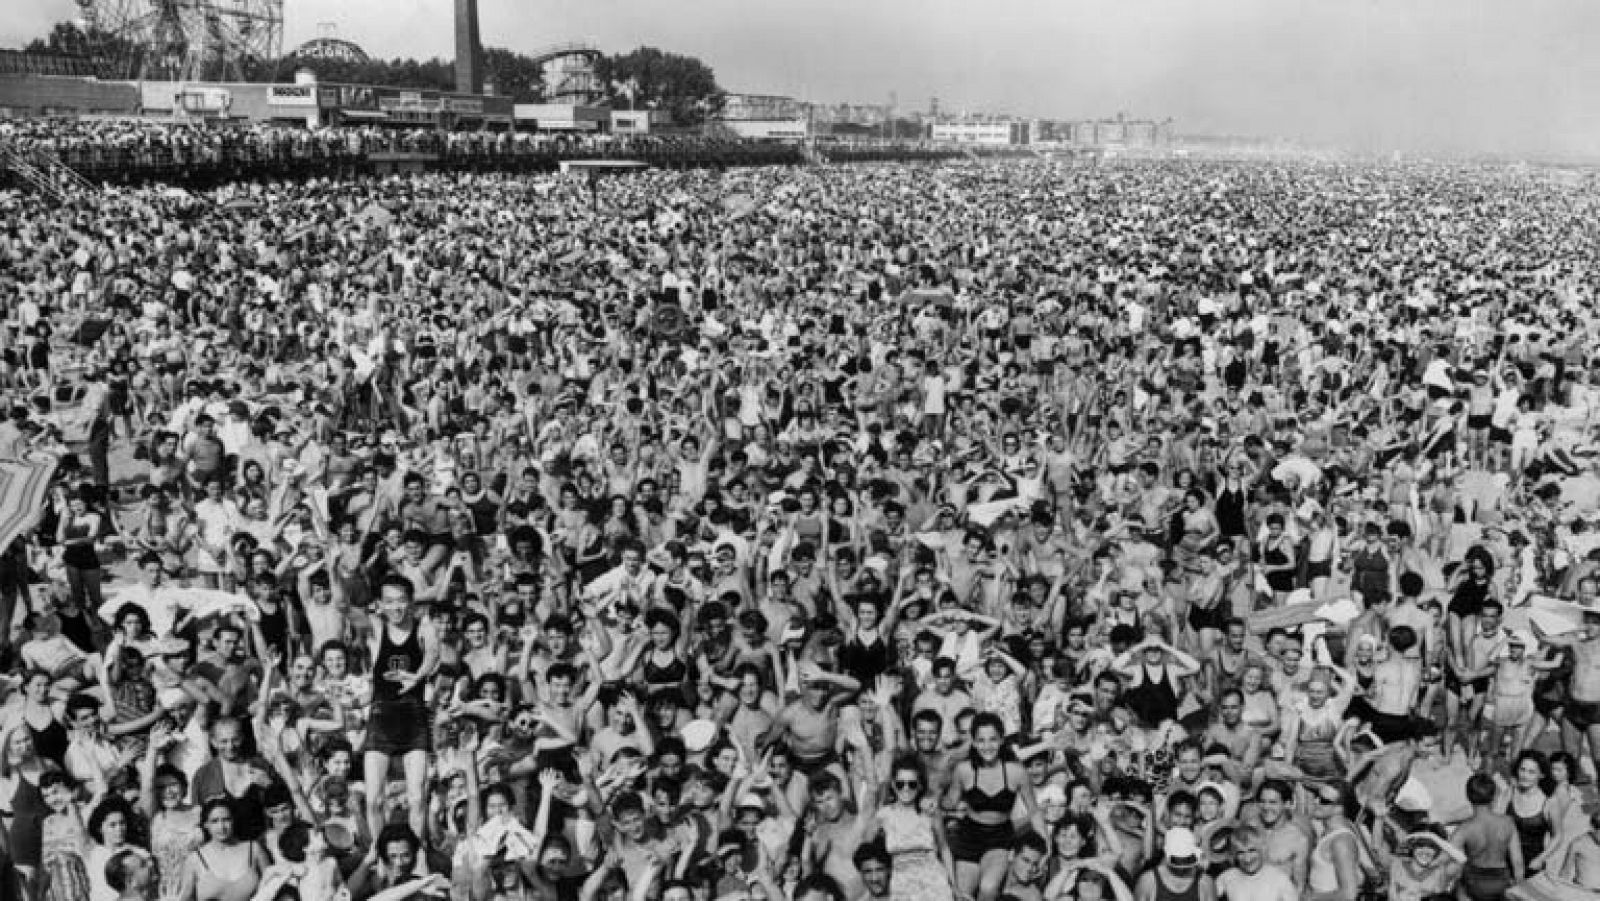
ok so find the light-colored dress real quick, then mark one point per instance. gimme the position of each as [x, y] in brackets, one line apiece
[65, 843]
[916, 874]
[173, 837]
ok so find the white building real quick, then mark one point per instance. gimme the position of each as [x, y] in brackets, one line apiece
[992, 132]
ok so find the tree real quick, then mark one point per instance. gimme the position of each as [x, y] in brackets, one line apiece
[109, 56]
[66, 39]
[681, 85]
[513, 74]
[433, 74]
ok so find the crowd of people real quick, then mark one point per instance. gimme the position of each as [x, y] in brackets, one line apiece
[133, 149]
[995, 532]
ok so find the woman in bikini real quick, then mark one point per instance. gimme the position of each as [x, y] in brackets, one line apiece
[988, 784]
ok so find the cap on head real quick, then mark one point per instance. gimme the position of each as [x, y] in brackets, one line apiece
[1181, 849]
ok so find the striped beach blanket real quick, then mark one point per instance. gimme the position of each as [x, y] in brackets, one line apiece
[24, 485]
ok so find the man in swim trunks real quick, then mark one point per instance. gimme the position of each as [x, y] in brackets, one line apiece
[1583, 687]
[1494, 852]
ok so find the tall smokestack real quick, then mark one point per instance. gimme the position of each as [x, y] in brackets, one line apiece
[469, 53]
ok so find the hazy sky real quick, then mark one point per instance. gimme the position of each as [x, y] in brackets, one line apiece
[1490, 75]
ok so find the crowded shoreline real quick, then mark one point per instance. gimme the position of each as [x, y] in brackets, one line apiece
[994, 530]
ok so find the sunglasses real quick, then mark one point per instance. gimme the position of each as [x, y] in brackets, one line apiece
[911, 783]
[1321, 799]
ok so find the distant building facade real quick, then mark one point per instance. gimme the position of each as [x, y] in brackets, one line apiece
[980, 130]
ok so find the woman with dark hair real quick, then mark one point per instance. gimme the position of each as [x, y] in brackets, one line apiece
[591, 556]
[174, 823]
[131, 624]
[38, 715]
[662, 665]
[1525, 801]
[65, 843]
[253, 484]
[922, 868]
[621, 525]
[112, 827]
[868, 649]
[1471, 587]
[1564, 809]
[1082, 844]
[78, 530]
[223, 868]
[1276, 558]
[988, 783]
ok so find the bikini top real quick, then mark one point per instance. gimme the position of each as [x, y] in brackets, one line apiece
[980, 801]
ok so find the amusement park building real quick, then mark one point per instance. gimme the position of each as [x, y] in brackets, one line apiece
[304, 102]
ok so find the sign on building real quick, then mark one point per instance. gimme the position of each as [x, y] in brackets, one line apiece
[292, 95]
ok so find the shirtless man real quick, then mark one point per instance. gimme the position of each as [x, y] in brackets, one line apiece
[1406, 610]
[1396, 681]
[1252, 878]
[1582, 864]
[752, 718]
[1284, 843]
[324, 615]
[637, 853]
[939, 762]
[1490, 840]
[1242, 741]
[1178, 875]
[810, 725]
[874, 864]
[1583, 708]
[1028, 856]
[945, 699]
[838, 834]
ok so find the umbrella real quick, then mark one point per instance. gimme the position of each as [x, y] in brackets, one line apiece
[24, 485]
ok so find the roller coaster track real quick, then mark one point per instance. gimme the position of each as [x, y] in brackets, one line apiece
[580, 85]
[557, 51]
